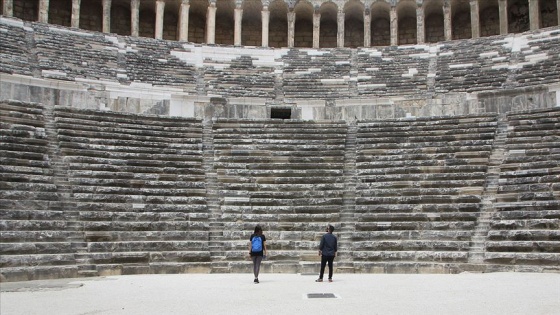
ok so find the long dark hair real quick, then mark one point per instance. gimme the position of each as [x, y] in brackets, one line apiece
[258, 230]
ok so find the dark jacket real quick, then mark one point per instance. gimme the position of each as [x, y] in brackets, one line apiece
[328, 245]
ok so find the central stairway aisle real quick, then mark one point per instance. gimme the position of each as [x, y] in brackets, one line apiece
[216, 235]
[477, 247]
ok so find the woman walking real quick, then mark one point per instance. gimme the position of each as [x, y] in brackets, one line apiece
[257, 250]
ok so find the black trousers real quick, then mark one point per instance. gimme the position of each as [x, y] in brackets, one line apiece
[324, 261]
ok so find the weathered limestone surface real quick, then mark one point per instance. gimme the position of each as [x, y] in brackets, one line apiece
[149, 76]
[526, 226]
[88, 192]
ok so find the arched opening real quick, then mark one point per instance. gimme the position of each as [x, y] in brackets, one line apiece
[329, 27]
[380, 24]
[353, 24]
[434, 27]
[147, 23]
[91, 15]
[197, 21]
[171, 21]
[251, 28]
[489, 18]
[120, 19]
[225, 23]
[518, 16]
[278, 24]
[406, 15]
[549, 13]
[27, 10]
[63, 9]
[461, 26]
[303, 30]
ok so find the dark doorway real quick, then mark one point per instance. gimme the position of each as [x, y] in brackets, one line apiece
[281, 113]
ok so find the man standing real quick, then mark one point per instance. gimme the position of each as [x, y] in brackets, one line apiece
[327, 251]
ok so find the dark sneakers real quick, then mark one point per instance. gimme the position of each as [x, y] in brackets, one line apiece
[321, 280]
[256, 281]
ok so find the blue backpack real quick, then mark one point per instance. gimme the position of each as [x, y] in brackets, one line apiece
[256, 244]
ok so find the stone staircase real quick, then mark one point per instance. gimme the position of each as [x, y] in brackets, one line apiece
[60, 178]
[477, 247]
[347, 219]
[216, 235]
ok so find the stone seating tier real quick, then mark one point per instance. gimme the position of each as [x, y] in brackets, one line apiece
[524, 228]
[240, 78]
[512, 61]
[391, 71]
[151, 61]
[473, 65]
[284, 175]
[14, 53]
[545, 71]
[136, 197]
[67, 55]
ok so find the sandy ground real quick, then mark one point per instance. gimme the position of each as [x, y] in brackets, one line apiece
[466, 293]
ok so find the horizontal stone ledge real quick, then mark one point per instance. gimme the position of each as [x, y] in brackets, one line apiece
[35, 248]
[200, 224]
[411, 245]
[28, 273]
[409, 257]
[539, 259]
[34, 225]
[397, 235]
[29, 260]
[416, 208]
[416, 225]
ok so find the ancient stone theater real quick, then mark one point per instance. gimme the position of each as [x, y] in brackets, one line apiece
[152, 136]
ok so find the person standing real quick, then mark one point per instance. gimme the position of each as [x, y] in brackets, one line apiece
[327, 250]
[257, 250]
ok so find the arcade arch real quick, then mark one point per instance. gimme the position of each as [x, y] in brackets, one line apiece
[294, 23]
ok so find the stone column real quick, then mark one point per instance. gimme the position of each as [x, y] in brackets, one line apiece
[265, 14]
[291, 27]
[534, 15]
[160, 11]
[75, 19]
[135, 18]
[367, 27]
[106, 16]
[316, 27]
[475, 19]
[420, 32]
[184, 20]
[394, 26]
[340, 29]
[211, 23]
[503, 17]
[447, 23]
[237, 18]
[558, 10]
[8, 8]
[44, 11]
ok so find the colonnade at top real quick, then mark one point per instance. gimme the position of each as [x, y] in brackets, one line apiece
[319, 11]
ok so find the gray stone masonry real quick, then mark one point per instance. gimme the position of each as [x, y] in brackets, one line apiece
[88, 192]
